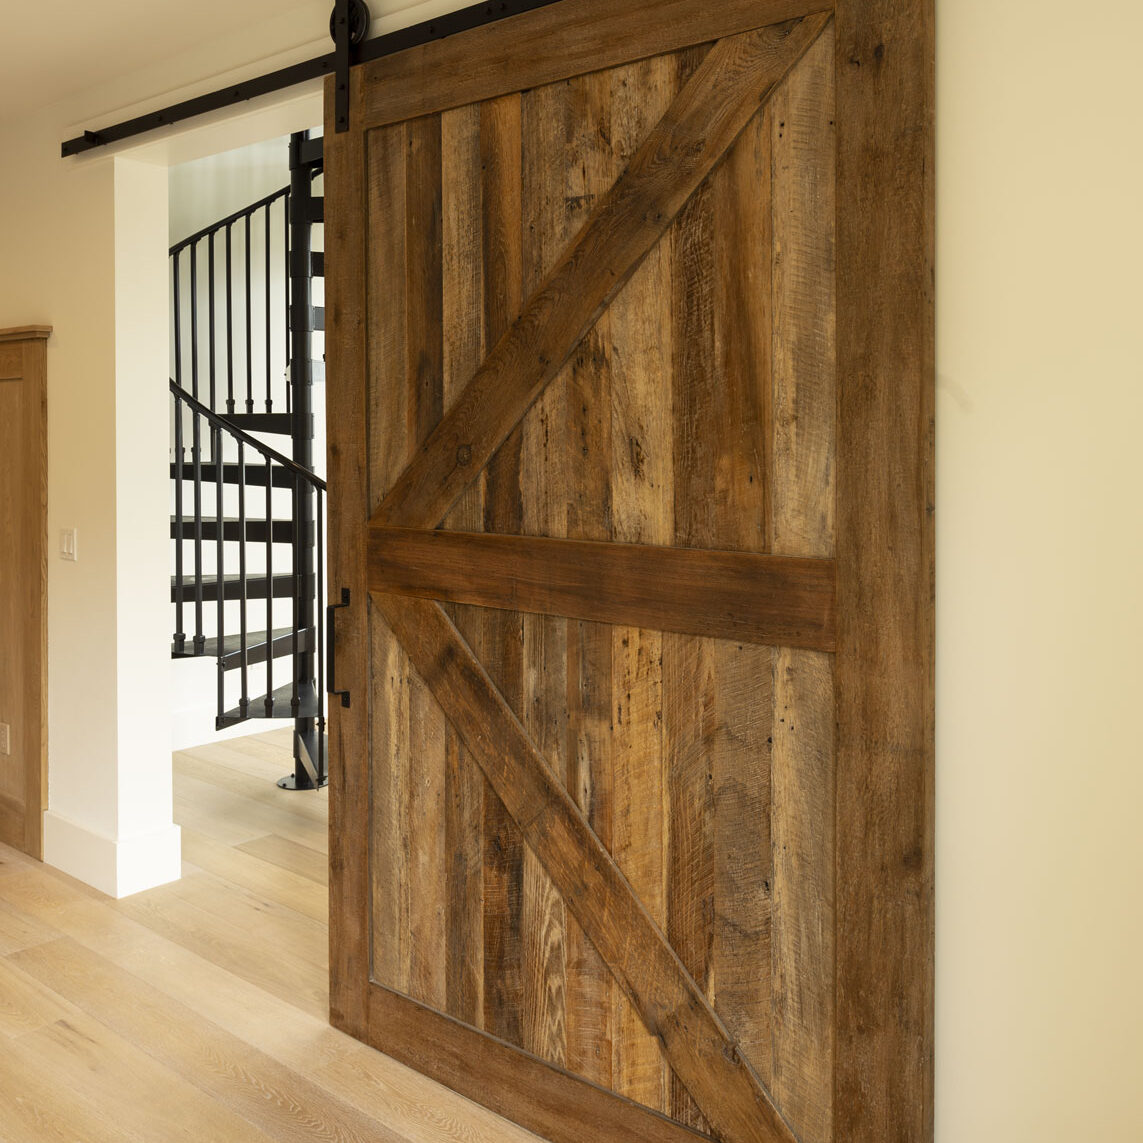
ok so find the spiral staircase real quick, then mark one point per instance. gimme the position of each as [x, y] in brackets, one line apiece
[248, 510]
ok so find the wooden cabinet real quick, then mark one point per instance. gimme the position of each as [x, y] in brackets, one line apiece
[23, 586]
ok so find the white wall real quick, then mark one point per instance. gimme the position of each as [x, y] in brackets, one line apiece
[1040, 555]
[76, 255]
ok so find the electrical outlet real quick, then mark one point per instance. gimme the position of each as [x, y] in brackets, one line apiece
[5, 738]
[69, 544]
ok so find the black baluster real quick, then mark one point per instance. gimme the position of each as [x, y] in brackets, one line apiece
[229, 328]
[194, 319]
[295, 557]
[286, 290]
[220, 523]
[269, 595]
[249, 329]
[269, 373]
[244, 701]
[210, 318]
[180, 633]
[319, 644]
[196, 457]
[178, 325]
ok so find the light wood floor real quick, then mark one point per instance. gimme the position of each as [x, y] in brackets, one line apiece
[197, 1012]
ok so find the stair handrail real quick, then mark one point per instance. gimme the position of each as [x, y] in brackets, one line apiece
[229, 220]
[228, 426]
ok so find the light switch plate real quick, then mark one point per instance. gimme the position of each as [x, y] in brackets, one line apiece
[69, 544]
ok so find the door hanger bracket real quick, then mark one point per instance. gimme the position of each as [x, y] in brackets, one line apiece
[348, 26]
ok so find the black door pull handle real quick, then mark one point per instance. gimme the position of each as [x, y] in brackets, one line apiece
[331, 647]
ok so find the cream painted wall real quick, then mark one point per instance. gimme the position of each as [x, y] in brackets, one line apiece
[63, 244]
[1040, 558]
[1040, 774]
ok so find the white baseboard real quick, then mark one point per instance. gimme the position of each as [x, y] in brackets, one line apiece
[117, 868]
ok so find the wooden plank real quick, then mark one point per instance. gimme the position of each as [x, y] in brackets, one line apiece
[689, 681]
[545, 118]
[390, 858]
[690, 698]
[804, 330]
[641, 483]
[738, 407]
[714, 106]
[396, 341]
[239, 1079]
[463, 322]
[390, 412]
[883, 1085]
[558, 1106]
[281, 851]
[634, 948]
[803, 897]
[502, 633]
[555, 43]
[348, 476]
[735, 595]
[263, 878]
[425, 874]
[802, 493]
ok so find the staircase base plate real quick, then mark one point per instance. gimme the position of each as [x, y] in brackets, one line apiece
[290, 782]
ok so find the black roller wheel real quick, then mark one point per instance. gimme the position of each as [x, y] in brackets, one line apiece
[359, 20]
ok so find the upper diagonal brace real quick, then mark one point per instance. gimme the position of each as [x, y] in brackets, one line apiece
[699, 127]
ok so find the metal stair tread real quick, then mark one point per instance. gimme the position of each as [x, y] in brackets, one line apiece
[309, 707]
[255, 646]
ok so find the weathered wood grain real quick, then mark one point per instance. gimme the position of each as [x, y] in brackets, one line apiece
[883, 1080]
[544, 115]
[502, 632]
[701, 124]
[463, 326]
[736, 595]
[348, 324]
[804, 322]
[390, 432]
[803, 894]
[555, 43]
[641, 483]
[803, 460]
[634, 948]
[558, 1106]
[426, 877]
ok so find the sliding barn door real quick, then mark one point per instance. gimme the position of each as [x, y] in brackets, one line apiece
[629, 420]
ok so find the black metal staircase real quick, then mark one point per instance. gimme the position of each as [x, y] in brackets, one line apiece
[248, 519]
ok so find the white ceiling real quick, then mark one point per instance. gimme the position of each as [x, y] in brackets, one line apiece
[49, 51]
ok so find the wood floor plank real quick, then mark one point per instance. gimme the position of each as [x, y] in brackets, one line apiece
[220, 769]
[248, 871]
[232, 818]
[142, 1099]
[281, 851]
[216, 1051]
[278, 926]
[18, 931]
[235, 1075]
[243, 952]
[25, 1004]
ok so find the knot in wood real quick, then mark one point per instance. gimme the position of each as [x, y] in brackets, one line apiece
[464, 456]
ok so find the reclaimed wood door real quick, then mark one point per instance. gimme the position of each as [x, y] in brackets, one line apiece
[630, 351]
